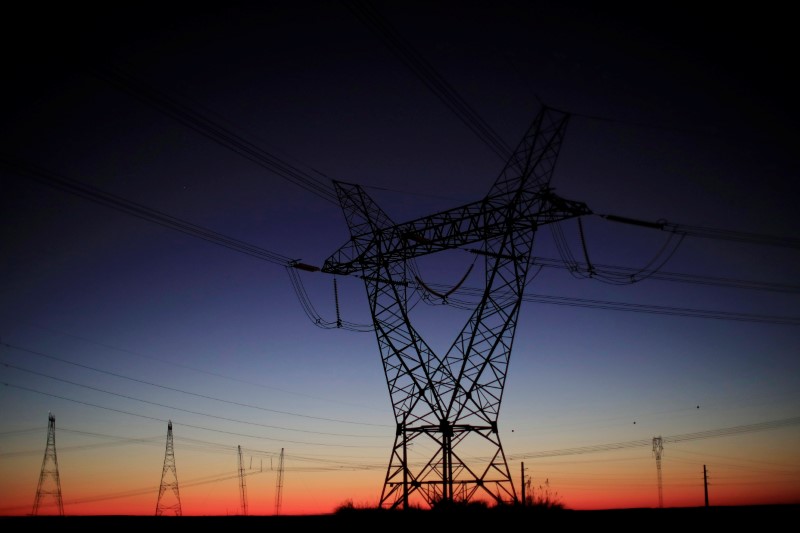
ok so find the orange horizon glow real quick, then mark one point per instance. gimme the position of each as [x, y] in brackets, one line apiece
[326, 501]
[742, 471]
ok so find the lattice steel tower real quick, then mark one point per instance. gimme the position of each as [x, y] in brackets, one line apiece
[452, 400]
[49, 480]
[658, 449]
[169, 498]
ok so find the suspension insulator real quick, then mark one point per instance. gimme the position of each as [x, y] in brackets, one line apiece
[336, 298]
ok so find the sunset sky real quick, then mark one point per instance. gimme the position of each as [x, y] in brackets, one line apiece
[162, 165]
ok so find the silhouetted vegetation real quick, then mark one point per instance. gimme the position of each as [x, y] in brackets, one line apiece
[543, 499]
[458, 516]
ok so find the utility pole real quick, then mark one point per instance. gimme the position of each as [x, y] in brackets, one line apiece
[705, 483]
[242, 488]
[169, 481]
[49, 480]
[522, 474]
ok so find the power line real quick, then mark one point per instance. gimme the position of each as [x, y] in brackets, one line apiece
[634, 274]
[172, 363]
[709, 233]
[434, 81]
[701, 435]
[339, 465]
[448, 95]
[127, 397]
[661, 310]
[214, 131]
[46, 177]
[630, 307]
[203, 428]
[121, 441]
[239, 404]
[428, 75]
[216, 478]
[64, 184]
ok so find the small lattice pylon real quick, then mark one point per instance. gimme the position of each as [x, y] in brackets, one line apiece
[49, 481]
[169, 499]
[658, 449]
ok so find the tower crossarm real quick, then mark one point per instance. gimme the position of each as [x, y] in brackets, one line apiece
[461, 226]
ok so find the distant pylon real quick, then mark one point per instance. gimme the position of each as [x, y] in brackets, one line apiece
[242, 487]
[279, 487]
[49, 481]
[171, 503]
[658, 447]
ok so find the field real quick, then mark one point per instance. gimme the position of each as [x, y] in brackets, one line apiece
[366, 520]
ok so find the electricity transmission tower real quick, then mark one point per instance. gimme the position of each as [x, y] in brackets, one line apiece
[450, 402]
[279, 486]
[658, 448]
[242, 487]
[169, 499]
[49, 480]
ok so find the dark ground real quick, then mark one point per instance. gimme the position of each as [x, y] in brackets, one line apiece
[757, 517]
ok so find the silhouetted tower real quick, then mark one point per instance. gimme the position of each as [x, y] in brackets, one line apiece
[279, 486]
[452, 400]
[242, 487]
[658, 447]
[49, 480]
[169, 499]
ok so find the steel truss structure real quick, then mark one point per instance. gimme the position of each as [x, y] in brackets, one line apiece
[451, 402]
[49, 479]
[169, 496]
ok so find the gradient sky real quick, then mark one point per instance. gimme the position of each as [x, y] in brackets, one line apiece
[117, 325]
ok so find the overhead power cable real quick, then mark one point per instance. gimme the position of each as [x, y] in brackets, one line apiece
[214, 131]
[637, 308]
[633, 274]
[189, 411]
[665, 310]
[46, 177]
[591, 271]
[88, 192]
[701, 435]
[365, 12]
[197, 395]
[309, 309]
[176, 423]
[709, 233]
